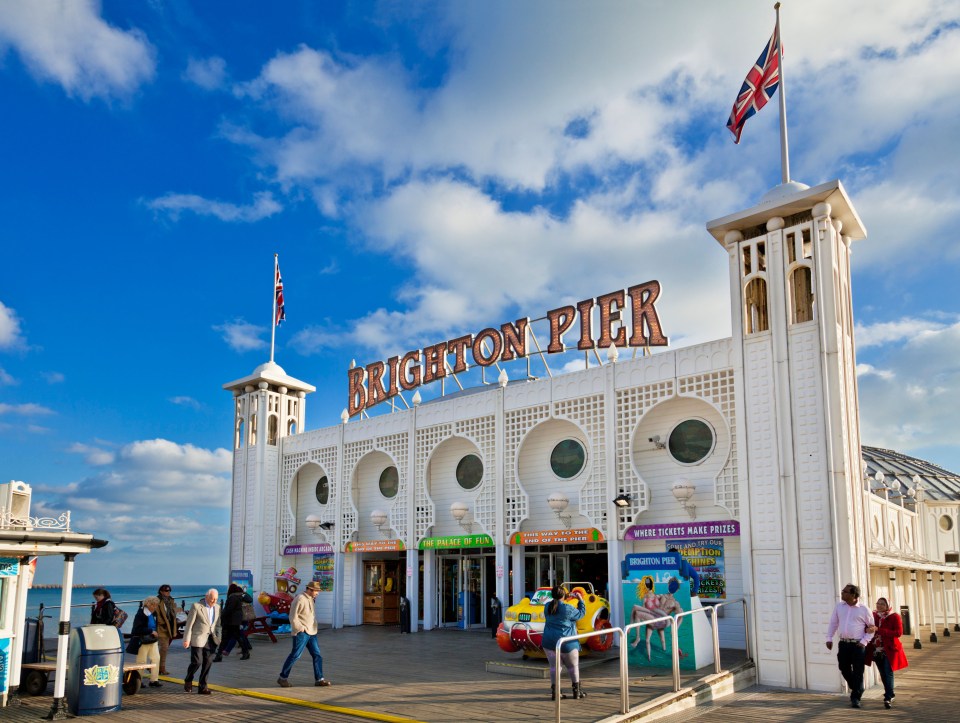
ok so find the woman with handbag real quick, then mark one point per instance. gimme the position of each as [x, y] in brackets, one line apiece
[144, 640]
[232, 620]
[104, 610]
[885, 649]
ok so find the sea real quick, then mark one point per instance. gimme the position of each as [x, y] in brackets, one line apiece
[126, 597]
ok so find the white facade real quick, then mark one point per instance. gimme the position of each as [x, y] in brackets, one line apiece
[779, 400]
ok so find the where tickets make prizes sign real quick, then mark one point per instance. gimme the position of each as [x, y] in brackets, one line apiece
[656, 585]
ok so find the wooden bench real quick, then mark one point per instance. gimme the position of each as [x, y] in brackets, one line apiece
[260, 625]
[37, 676]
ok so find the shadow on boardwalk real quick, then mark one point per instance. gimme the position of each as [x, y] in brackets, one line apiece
[440, 676]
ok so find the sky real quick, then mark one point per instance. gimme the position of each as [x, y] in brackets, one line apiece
[423, 170]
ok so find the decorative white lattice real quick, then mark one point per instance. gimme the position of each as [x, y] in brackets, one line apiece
[588, 413]
[427, 440]
[516, 425]
[326, 457]
[349, 516]
[397, 446]
[288, 522]
[718, 388]
[632, 404]
[482, 432]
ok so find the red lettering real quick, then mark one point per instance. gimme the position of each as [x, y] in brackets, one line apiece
[645, 315]
[608, 315]
[410, 370]
[458, 347]
[375, 391]
[514, 339]
[560, 320]
[433, 366]
[478, 355]
[585, 308]
[358, 393]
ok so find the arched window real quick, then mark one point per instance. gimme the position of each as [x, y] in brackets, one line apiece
[291, 427]
[238, 440]
[801, 295]
[272, 430]
[253, 429]
[755, 306]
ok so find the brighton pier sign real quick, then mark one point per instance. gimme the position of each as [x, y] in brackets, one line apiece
[379, 381]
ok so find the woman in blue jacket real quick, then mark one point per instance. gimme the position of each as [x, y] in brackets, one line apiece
[561, 621]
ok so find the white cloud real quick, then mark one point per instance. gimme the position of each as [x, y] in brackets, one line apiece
[900, 330]
[53, 377]
[93, 456]
[865, 370]
[10, 335]
[28, 409]
[208, 73]
[241, 335]
[186, 402]
[6, 380]
[917, 404]
[67, 42]
[174, 204]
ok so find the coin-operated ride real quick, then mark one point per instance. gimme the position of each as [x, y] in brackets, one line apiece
[522, 626]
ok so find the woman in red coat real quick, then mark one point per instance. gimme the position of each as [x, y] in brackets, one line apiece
[886, 650]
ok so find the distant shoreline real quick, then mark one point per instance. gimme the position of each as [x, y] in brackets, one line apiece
[55, 586]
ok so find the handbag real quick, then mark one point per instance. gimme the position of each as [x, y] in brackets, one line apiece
[149, 638]
[119, 617]
[133, 647]
[249, 613]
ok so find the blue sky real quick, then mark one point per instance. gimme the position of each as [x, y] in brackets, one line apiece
[423, 170]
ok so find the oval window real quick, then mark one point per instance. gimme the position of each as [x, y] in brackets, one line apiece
[568, 458]
[389, 482]
[469, 472]
[691, 441]
[946, 523]
[323, 490]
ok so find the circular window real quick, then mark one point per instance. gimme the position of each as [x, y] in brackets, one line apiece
[323, 490]
[389, 482]
[469, 472]
[567, 458]
[691, 441]
[946, 523]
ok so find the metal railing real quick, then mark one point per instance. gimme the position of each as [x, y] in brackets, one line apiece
[9, 521]
[668, 620]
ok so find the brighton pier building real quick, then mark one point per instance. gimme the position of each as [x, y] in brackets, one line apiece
[747, 446]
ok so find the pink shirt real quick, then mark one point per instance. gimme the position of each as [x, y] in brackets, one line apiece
[851, 622]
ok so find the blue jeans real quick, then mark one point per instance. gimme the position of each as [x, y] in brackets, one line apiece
[301, 641]
[886, 675]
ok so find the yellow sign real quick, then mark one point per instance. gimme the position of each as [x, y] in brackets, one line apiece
[558, 537]
[374, 546]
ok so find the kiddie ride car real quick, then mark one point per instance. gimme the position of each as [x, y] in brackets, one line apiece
[522, 626]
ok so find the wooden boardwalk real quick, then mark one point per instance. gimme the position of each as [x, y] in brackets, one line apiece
[440, 677]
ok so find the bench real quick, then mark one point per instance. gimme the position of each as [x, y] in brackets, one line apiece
[37, 676]
[260, 625]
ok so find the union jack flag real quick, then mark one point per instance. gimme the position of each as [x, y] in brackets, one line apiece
[281, 314]
[759, 86]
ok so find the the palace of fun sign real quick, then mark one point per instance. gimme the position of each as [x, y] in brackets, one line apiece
[379, 381]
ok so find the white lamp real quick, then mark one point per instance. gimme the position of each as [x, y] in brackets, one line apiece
[313, 522]
[379, 519]
[459, 510]
[683, 491]
[558, 503]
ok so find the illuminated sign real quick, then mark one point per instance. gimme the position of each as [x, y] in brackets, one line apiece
[557, 537]
[379, 381]
[720, 528]
[374, 546]
[457, 541]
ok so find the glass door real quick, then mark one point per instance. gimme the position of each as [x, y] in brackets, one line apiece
[450, 613]
[473, 596]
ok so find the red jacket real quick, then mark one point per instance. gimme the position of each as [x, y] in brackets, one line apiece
[889, 630]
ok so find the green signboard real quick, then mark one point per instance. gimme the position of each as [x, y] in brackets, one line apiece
[446, 543]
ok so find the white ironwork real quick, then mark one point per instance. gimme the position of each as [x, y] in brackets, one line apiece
[8, 521]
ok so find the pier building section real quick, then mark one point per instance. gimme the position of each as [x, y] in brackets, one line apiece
[743, 453]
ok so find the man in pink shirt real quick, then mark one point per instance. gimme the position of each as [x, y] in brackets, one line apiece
[854, 621]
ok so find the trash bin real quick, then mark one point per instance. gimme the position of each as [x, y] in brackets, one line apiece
[905, 619]
[32, 640]
[95, 670]
[404, 615]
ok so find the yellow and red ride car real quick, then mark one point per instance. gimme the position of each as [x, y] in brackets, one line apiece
[522, 626]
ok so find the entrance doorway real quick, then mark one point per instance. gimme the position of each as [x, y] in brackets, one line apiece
[463, 590]
[547, 567]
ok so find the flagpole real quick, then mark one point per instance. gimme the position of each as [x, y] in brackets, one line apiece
[273, 319]
[784, 146]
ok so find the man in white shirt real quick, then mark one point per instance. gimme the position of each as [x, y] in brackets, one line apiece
[854, 621]
[202, 636]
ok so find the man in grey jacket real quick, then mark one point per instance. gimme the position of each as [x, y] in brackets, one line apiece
[202, 636]
[303, 627]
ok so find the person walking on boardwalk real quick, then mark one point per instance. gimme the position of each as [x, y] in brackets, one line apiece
[303, 626]
[104, 609]
[854, 621]
[166, 623]
[886, 650]
[561, 621]
[232, 620]
[202, 636]
[144, 639]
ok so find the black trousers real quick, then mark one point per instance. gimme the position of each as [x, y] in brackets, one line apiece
[202, 658]
[850, 659]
